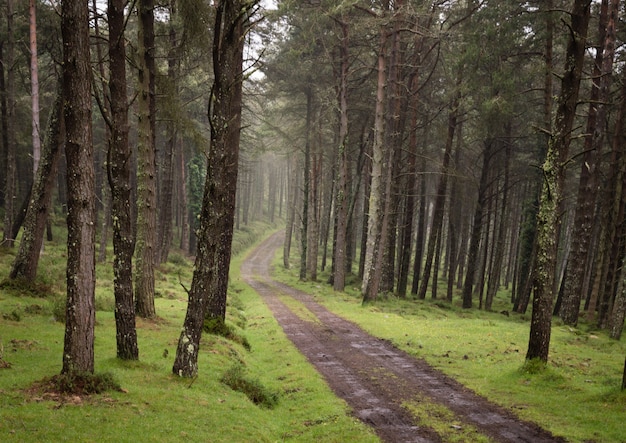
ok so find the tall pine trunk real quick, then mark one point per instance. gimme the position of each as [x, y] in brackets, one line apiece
[477, 227]
[218, 203]
[306, 189]
[549, 216]
[34, 83]
[146, 167]
[78, 349]
[375, 230]
[27, 258]
[587, 188]
[167, 168]
[341, 197]
[119, 180]
[10, 187]
[440, 199]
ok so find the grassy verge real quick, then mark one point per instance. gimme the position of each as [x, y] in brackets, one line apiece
[578, 396]
[154, 405]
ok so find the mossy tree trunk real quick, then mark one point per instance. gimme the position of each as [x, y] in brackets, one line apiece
[27, 258]
[78, 350]
[218, 204]
[528, 231]
[376, 205]
[341, 196]
[549, 216]
[119, 180]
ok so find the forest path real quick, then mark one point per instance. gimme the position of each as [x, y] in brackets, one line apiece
[370, 374]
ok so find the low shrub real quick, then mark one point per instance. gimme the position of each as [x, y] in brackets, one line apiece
[236, 379]
[219, 327]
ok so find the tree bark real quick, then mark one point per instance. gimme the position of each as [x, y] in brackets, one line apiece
[502, 227]
[477, 227]
[119, 181]
[409, 203]
[587, 188]
[549, 216]
[218, 204]
[440, 199]
[372, 262]
[78, 350]
[292, 197]
[34, 82]
[146, 167]
[167, 168]
[421, 225]
[10, 188]
[3, 126]
[304, 226]
[27, 258]
[339, 262]
[105, 225]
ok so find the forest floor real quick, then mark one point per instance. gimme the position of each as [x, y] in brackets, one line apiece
[377, 380]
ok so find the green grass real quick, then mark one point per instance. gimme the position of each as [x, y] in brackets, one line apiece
[444, 422]
[153, 404]
[577, 395]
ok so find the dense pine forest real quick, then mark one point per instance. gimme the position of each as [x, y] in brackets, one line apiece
[453, 150]
[465, 151]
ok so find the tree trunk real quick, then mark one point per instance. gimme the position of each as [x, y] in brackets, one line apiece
[477, 227]
[440, 199]
[27, 258]
[395, 120]
[218, 204]
[292, 196]
[34, 82]
[372, 263]
[549, 217]
[304, 227]
[421, 224]
[409, 207]
[502, 227]
[454, 219]
[339, 262]
[146, 167]
[10, 188]
[167, 168]
[594, 142]
[119, 181]
[313, 207]
[182, 197]
[78, 351]
[528, 231]
[105, 195]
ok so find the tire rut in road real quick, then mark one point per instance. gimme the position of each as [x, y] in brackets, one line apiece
[370, 374]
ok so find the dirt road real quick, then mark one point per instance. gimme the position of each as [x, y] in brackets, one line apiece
[371, 375]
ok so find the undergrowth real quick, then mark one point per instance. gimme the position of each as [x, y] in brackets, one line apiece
[152, 404]
[217, 326]
[82, 383]
[236, 378]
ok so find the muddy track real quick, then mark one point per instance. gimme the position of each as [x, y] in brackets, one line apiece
[370, 374]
